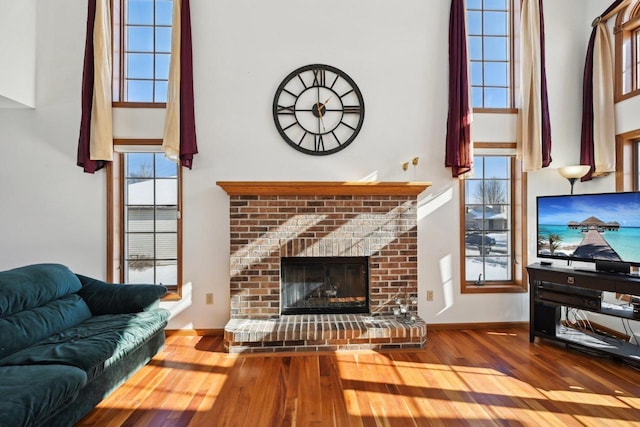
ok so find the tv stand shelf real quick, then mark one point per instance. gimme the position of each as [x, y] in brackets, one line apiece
[601, 344]
[553, 287]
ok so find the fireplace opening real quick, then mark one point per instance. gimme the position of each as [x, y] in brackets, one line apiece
[324, 285]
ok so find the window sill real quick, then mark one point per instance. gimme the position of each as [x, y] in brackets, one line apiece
[139, 104]
[172, 296]
[509, 288]
[495, 110]
[628, 95]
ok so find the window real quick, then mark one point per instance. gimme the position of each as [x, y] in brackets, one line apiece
[627, 57]
[490, 28]
[628, 161]
[492, 223]
[635, 42]
[142, 50]
[636, 164]
[145, 218]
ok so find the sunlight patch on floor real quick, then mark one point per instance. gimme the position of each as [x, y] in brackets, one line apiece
[381, 408]
[632, 402]
[504, 334]
[584, 398]
[477, 370]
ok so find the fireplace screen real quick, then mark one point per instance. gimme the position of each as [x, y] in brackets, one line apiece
[314, 285]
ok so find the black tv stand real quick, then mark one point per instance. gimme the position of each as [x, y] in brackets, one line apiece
[554, 287]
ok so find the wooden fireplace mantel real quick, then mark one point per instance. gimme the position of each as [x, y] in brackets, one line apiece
[322, 188]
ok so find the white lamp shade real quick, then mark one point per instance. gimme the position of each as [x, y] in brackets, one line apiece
[576, 171]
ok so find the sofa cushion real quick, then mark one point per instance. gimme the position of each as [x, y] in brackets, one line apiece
[31, 393]
[94, 344]
[111, 298]
[33, 285]
[22, 329]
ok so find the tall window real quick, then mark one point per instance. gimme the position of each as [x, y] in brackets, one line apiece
[635, 42]
[628, 161]
[627, 56]
[490, 28]
[142, 50]
[151, 219]
[146, 221]
[492, 223]
[636, 168]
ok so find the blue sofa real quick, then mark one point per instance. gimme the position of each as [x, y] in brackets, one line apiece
[67, 341]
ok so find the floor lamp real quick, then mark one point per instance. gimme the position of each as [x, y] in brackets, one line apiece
[573, 173]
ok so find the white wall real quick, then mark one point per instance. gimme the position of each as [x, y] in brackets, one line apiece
[18, 53]
[397, 54]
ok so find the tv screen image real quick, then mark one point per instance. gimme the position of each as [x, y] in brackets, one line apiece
[590, 227]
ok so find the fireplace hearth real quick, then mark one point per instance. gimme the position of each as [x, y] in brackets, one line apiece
[324, 285]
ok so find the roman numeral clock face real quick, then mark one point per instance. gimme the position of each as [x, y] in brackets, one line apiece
[318, 109]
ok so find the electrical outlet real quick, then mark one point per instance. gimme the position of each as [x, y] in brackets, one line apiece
[429, 295]
[209, 298]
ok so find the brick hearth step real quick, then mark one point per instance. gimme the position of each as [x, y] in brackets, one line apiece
[323, 332]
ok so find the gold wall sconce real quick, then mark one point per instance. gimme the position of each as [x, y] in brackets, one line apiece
[414, 162]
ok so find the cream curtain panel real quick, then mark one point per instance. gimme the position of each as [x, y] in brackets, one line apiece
[101, 146]
[171, 138]
[604, 120]
[534, 132]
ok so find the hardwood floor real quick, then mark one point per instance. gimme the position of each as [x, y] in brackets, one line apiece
[471, 377]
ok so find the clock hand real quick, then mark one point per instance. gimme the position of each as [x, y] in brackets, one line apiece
[320, 113]
[321, 119]
[319, 106]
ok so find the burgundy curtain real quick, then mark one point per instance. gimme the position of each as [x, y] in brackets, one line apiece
[84, 160]
[458, 143]
[188, 143]
[587, 156]
[546, 121]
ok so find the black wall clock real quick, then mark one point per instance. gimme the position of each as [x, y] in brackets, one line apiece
[318, 109]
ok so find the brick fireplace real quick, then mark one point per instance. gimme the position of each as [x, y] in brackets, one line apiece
[273, 220]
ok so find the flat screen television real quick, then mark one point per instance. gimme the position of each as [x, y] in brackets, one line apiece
[601, 228]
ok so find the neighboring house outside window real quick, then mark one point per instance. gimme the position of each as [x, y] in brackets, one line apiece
[627, 52]
[490, 34]
[491, 224]
[145, 226]
[142, 50]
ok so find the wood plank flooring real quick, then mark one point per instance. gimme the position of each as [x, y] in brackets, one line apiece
[468, 378]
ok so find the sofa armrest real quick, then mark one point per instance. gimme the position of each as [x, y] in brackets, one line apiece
[112, 298]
